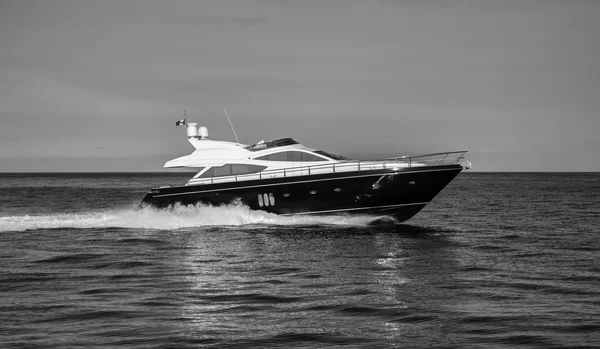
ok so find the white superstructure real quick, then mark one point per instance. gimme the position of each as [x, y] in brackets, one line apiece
[222, 161]
[218, 159]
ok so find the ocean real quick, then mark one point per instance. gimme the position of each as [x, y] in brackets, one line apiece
[496, 260]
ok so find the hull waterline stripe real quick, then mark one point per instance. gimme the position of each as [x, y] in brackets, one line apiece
[297, 182]
[355, 209]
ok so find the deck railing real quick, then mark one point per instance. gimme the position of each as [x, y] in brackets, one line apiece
[435, 159]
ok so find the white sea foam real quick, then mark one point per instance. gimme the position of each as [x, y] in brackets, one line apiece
[172, 218]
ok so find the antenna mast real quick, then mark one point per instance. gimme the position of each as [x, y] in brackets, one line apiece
[236, 137]
[182, 122]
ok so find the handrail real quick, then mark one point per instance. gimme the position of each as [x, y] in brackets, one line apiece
[437, 159]
[427, 155]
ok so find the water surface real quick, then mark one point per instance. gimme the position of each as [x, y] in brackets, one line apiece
[496, 260]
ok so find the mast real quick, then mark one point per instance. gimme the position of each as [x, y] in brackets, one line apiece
[230, 124]
[182, 122]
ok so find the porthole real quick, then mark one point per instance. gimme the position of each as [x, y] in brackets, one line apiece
[337, 190]
[286, 195]
[411, 182]
[312, 192]
[266, 199]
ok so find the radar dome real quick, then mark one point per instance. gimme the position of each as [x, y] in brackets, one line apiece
[203, 132]
[192, 131]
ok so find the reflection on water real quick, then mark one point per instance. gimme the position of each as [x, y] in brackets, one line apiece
[357, 282]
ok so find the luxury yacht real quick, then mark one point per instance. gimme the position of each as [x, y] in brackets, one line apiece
[287, 178]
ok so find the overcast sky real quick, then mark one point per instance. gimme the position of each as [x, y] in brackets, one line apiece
[98, 85]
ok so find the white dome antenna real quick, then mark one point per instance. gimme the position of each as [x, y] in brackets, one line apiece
[192, 130]
[203, 132]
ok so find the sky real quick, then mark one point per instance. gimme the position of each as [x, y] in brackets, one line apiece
[99, 85]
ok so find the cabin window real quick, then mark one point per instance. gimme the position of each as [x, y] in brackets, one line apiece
[231, 169]
[292, 156]
[266, 199]
[199, 169]
[238, 169]
[295, 156]
[222, 171]
[278, 156]
[331, 155]
[311, 157]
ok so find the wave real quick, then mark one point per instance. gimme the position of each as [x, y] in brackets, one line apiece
[173, 218]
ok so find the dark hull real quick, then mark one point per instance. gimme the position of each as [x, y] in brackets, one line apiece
[397, 193]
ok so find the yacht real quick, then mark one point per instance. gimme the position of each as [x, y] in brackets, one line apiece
[287, 178]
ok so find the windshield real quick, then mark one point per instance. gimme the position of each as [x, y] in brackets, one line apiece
[331, 155]
[276, 143]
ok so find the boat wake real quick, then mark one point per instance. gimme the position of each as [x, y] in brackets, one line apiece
[174, 218]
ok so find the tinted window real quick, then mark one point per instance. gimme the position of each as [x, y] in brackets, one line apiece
[311, 157]
[222, 171]
[209, 173]
[296, 156]
[331, 155]
[238, 169]
[283, 141]
[283, 156]
[276, 143]
[231, 169]
[199, 169]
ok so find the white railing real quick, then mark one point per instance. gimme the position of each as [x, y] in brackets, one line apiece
[426, 160]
